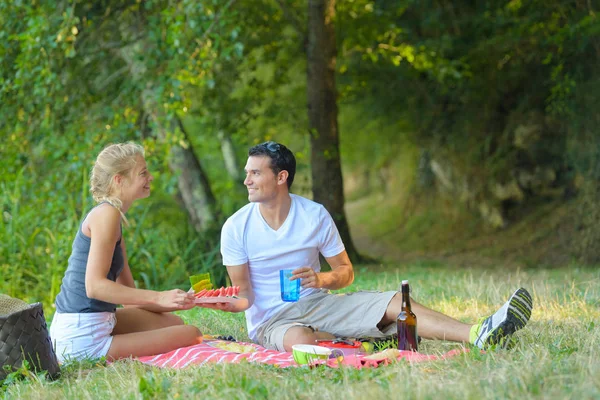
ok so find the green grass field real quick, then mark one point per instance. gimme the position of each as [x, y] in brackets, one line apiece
[556, 355]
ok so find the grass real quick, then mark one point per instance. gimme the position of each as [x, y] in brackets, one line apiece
[556, 355]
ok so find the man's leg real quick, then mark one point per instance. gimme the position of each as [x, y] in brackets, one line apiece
[431, 324]
[303, 335]
[511, 317]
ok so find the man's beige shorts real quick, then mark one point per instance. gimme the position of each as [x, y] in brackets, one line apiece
[343, 315]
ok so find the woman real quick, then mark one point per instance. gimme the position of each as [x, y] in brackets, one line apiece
[87, 323]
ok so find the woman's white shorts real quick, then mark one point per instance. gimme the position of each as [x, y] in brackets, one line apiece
[85, 335]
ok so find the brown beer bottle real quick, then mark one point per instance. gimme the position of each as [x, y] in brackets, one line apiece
[407, 323]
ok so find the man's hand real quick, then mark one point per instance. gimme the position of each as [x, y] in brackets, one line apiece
[310, 278]
[217, 306]
[239, 305]
[340, 276]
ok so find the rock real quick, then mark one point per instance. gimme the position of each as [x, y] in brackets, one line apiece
[425, 176]
[508, 191]
[544, 176]
[539, 180]
[526, 136]
[524, 178]
[444, 177]
[492, 215]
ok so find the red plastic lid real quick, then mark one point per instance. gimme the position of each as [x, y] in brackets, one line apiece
[339, 345]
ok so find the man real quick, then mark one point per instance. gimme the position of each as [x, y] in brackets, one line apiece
[278, 230]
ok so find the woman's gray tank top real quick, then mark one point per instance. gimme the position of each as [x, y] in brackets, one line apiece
[72, 297]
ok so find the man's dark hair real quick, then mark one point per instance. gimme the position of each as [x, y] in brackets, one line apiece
[282, 159]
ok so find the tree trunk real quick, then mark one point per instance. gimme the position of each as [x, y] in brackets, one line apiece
[228, 151]
[328, 188]
[193, 183]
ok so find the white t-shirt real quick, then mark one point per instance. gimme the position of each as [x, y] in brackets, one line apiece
[247, 238]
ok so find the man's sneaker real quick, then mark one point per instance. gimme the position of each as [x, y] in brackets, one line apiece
[512, 316]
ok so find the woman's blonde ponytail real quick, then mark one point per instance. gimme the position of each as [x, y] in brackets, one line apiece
[114, 159]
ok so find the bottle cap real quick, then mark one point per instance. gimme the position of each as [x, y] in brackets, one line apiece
[405, 282]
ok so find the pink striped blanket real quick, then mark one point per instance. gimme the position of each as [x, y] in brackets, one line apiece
[209, 352]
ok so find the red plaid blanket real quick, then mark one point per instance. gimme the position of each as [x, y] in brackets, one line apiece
[208, 352]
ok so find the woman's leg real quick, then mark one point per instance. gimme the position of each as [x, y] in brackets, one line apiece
[157, 341]
[133, 319]
[140, 332]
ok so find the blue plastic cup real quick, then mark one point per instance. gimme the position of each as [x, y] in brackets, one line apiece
[290, 290]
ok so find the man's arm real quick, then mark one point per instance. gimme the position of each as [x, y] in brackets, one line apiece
[340, 276]
[239, 276]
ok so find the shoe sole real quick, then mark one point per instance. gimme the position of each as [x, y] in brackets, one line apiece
[517, 316]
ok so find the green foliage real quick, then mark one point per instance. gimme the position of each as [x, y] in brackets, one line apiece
[67, 91]
[22, 374]
[15, 375]
[264, 69]
[459, 74]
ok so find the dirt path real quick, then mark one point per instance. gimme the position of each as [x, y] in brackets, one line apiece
[363, 242]
[541, 239]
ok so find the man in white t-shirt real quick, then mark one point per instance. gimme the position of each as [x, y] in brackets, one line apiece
[278, 230]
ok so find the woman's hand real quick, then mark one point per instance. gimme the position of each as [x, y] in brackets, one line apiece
[176, 299]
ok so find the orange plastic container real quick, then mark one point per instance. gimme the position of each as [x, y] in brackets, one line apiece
[345, 348]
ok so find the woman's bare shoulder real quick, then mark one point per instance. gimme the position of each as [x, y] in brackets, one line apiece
[104, 218]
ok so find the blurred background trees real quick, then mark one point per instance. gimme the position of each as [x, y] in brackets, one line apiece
[458, 117]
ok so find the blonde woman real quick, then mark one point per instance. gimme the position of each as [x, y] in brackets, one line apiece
[87, 323]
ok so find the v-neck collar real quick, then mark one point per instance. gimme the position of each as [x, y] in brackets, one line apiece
[285, 223]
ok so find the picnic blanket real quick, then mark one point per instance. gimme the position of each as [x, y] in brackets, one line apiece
[218, 351]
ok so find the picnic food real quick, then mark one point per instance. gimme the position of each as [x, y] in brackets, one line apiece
[389, 354]
[230, 291]
[235, 347]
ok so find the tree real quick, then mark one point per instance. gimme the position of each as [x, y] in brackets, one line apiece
[328, 186]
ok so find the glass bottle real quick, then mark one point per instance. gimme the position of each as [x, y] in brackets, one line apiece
[407, 323]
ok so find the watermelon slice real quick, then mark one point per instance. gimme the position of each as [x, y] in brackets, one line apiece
[229, 291]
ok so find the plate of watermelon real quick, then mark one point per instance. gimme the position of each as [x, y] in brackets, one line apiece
[221, 295]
